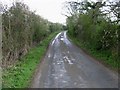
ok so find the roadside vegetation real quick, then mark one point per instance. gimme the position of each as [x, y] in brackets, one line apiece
[25, 37]
[95, 26]
[21, 74]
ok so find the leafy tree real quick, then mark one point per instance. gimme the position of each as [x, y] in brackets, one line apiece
[91, 23]
[22, 29]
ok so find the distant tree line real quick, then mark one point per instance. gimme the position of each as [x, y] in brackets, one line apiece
[95, 24]
[21, 30]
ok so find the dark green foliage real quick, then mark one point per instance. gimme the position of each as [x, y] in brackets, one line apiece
[55, 27]
[25, 37]
[95, 30]
[22, 29]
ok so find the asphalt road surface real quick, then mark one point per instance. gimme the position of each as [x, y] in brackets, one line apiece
[67, 66]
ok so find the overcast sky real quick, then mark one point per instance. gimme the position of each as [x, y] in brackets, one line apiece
[48, 9]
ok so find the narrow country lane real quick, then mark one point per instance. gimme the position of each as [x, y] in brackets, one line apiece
[67, 66]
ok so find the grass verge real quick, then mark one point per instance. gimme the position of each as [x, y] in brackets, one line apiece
[104, 57]
[20, 75]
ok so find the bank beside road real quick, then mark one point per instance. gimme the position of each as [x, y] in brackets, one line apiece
[20, 75]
